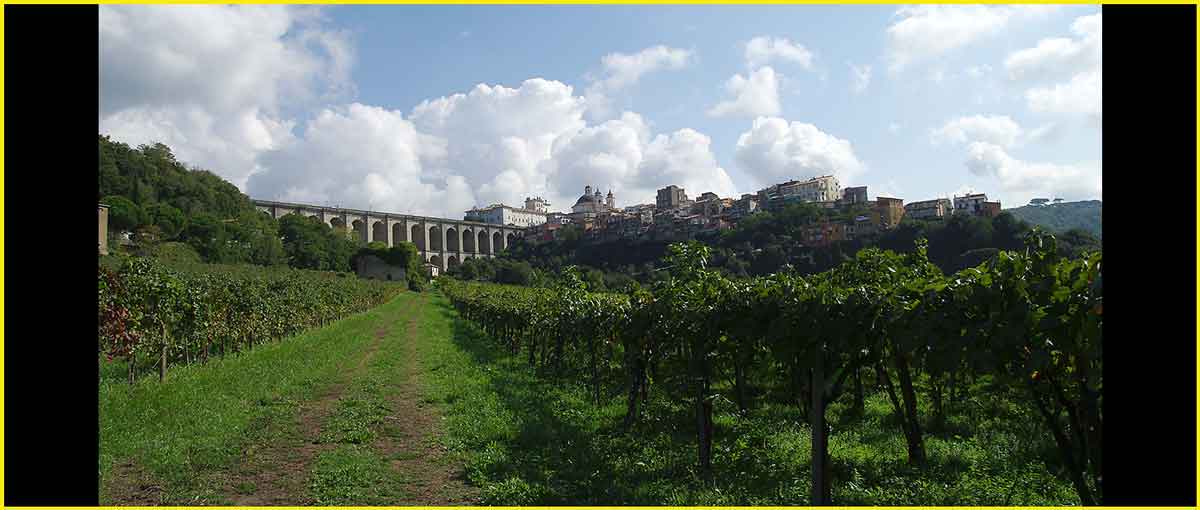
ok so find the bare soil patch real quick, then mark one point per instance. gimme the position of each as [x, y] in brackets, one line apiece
[274, 474]
[133, 486]
[409, 441]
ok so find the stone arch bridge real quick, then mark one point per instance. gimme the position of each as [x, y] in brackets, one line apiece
[441, 242]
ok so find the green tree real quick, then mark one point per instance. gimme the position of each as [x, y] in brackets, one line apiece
[306, 241]
[255, 237]
[169, 220]
[123, 214]
[1075, 242]
[206, 234]
[1008, 232]
[513, 272]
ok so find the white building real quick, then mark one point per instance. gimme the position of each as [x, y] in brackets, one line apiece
[500, 214]
[970, 204]
[818, 189]
[538, 204]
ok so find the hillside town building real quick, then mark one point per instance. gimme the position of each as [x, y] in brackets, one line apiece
[500, 214]
[675, 217]
[936, 208]
[976, 204]
[591, 205]
[670, 197]
[890, 210]
[854, 195]
[818, 189]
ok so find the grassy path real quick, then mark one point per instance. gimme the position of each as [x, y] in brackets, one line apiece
[335, 416]
[268, 472]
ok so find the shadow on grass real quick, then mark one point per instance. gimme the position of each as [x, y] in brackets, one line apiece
[568, 451]
[554, 449]
[562, 449]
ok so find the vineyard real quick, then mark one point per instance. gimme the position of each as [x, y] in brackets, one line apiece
[155, 315]
[1025, 325]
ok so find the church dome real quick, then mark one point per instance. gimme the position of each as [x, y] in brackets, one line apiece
[586, 199]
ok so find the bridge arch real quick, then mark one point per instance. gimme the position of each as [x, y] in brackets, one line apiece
[336, 222]
[484, 243]
[379, 232]
[435, 238]
[360, 229]
[417, 238]
[453, 240]
[468, 240]
[397, 233]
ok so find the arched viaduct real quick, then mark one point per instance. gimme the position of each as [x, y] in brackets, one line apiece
[442, 242]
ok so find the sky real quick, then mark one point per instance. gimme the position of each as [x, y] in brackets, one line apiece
[433, 110]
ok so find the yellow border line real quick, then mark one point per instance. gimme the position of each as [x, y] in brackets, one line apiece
[552, 2]
[3, 459]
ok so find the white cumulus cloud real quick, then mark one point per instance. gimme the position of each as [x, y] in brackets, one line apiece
[361, 156]
[622, 70]
[491, 144]
[775, 150]
[1059, 57]
[621, 155]
[213, 82]
[762, 50]
[1074, 65]
[996, 129]
[920, 33]
[1022, 180]
[754, 95]
[1081, 95]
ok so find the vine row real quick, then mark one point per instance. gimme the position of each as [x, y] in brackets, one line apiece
[1030, 320]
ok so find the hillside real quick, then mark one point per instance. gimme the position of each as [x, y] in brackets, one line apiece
[156, 198]
[1063, 217]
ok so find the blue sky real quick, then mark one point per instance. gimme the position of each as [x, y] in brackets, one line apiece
[321, 105]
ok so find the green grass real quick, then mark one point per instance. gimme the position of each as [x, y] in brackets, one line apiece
[528, 440]
[197, 422]
[353, 475]
[353, 421]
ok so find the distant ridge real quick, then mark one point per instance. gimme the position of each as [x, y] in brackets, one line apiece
[1063, 216]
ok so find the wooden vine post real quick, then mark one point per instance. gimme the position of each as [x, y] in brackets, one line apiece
[820, 436]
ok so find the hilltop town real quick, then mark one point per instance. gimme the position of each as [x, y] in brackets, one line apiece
[675, 217]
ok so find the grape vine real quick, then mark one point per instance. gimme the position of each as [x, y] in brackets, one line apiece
[148, 311]
[1031, 320]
